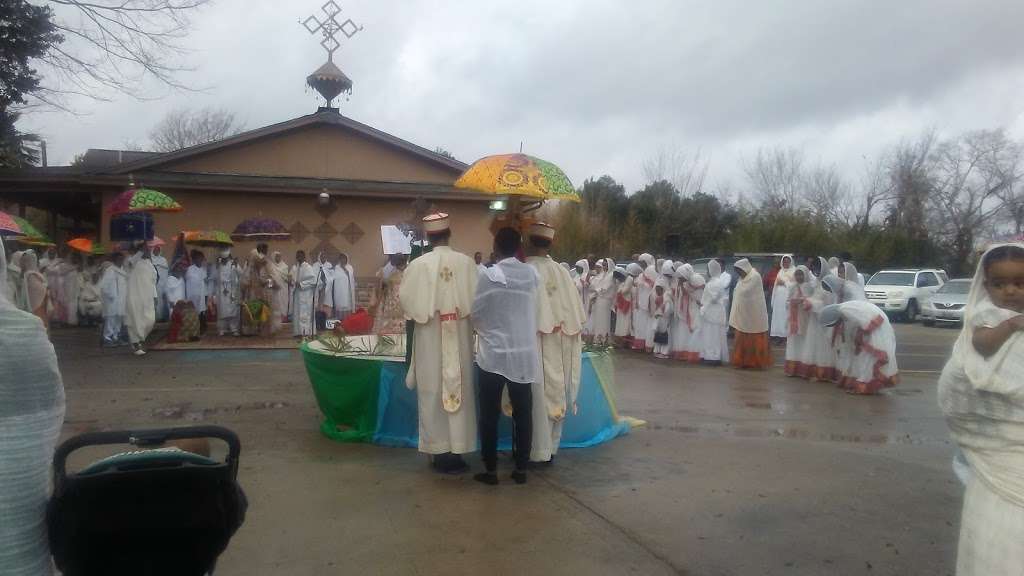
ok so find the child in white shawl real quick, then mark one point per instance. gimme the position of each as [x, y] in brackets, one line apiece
[661, 319]
[982, 394]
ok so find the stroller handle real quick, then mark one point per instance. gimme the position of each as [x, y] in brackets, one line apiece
[142, 438]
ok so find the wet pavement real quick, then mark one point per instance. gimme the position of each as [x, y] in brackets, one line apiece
[735, 473]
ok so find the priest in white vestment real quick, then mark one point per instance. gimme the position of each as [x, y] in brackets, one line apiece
[140, 302]
[302, 297]
[560, 320]
[437, 294]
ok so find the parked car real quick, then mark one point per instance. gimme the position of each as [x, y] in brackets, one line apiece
[901, 293]
[947, 304]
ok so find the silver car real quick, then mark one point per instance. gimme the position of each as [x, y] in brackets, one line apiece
[947, 304]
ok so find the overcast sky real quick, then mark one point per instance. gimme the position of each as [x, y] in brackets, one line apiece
[599, 86]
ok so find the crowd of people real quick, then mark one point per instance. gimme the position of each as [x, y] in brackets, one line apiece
[818, 310]
[127, 292]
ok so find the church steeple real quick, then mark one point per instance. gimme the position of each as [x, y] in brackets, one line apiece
[328, 79]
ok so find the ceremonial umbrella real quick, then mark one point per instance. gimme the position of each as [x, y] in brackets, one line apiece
[260, 229]
[518, 175]
[9, 226]
[143, 200]
[30, 235]
[209, 238]
[87, 246]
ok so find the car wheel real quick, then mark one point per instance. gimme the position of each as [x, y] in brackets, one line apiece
[911, 314]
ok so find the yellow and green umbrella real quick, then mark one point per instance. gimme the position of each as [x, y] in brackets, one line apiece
[209, 238]
[30, 235]
[518, 175]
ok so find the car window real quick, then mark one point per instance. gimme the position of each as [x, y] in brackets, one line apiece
[892, 279]
[955, 287]
[927, 279]
[944, 276]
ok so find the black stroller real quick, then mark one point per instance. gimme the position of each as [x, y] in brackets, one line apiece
[163, 511]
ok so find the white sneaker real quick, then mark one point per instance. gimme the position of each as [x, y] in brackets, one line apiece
[139, 352]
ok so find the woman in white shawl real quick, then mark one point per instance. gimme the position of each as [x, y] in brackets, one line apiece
[780, 296]
[604, 298]
[34, 286]
[643, 330]
[683, 320]
[162, 272]
[281, 290]
[31, 416]
[586, 293]
[852, 289]
[15, 292]
[800, 307]
[624, 303]
[749, 317]
[872, 365]
[819, 355]
[980, 392]
[715, 325]
[660, 307]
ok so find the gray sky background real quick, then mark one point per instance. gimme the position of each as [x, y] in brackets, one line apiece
[598, 87]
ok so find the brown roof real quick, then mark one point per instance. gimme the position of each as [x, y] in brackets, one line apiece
[323, 116]
[96, 159]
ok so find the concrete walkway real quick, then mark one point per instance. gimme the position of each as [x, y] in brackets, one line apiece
[736, 473]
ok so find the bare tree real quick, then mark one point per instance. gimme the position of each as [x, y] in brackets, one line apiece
[675, 165]
[776, 178]
[826, 194]
[970, 175]
[183, 128]
[910, 174]
[114, 45]
[876, 190]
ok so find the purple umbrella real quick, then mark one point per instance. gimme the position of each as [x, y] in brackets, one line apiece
[260, 229]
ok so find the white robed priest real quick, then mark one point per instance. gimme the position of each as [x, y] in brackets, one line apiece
[140, 304]
[560, 321]
[437, 294]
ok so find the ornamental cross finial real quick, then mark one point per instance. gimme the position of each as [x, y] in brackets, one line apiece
[330, 26]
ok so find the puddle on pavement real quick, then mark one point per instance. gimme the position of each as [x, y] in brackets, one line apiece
[185, 411]
[797, 433]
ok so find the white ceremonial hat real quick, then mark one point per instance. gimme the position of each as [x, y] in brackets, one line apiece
[435, 223]
[542, 230]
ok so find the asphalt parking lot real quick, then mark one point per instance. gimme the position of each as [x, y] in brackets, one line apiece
[734, 473]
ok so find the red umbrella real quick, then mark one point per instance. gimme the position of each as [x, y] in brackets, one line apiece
[8, 226]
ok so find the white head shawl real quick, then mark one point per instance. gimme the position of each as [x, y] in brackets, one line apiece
[633, 269]
[668, 268]
[714, 270]
[833, 264]
[743, 264]
[583, 267]
[647, 258]
[684, 271]
[661, 281]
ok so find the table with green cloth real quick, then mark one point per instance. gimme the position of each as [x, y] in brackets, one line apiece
[365, 399]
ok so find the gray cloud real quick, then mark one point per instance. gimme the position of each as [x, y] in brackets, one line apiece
[598, 86]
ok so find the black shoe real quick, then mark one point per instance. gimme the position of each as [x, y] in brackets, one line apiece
[519, 476]
[450, 464]
[489, 478]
